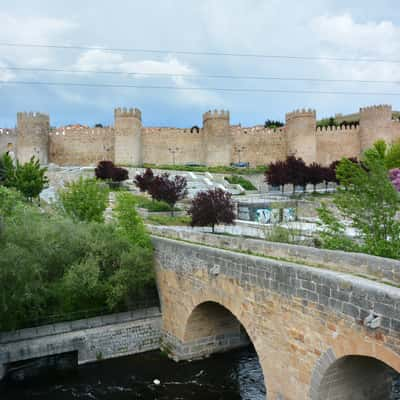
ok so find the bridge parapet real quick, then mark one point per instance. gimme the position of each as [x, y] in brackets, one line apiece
[371, 267]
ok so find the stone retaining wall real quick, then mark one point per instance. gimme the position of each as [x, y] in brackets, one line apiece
[378, 268]
[96, 338]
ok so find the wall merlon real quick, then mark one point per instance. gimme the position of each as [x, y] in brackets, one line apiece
[347, 129]
[123, 112]
[301, 113]
[376, 108]
[216, 114]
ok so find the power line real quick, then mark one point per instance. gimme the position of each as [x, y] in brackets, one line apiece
[211, 76]
[199, 53]
[238, 90]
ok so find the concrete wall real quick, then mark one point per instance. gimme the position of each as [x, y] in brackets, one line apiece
[300, 319]
[379, 268]
[95, 338]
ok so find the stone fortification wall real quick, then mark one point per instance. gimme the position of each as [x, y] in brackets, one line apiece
[8, 140]
[102, 337]
[301, 134]
[33, 136]
[81, 146]
[160, 143]
[216, 143]
[128, 136]
[333, 143]
[258, 145]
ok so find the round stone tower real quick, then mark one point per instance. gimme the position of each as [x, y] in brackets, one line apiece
[33, 136]
[128, 136]
[217, 138]
[375, 123]
[301, 134]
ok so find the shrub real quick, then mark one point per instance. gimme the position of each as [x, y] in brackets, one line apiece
[106, 170]
[85, 200]
[211, 208]
[143, 181]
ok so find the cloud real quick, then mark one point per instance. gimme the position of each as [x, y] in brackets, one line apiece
[342, 36]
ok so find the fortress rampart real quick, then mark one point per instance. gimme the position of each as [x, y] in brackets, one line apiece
[217, 142]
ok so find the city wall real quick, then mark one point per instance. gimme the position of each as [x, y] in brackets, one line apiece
[8, 140]
[217, 142]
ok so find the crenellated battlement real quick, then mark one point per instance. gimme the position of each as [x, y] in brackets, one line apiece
[303, 113]
[376, 108]
[216, 142]
[338, 129]
[21, 116]
[82, 132]
[216, 114]
[124, 112]
[8, 132]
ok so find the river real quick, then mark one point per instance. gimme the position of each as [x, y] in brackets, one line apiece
[233, 375]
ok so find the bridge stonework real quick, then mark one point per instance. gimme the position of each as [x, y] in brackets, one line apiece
[306, 324]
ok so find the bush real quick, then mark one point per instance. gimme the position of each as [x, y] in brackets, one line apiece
[106, 170]
[143, 181]
[85, 200]
[239, 180]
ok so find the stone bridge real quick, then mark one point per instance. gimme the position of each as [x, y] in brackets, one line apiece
[319, 334]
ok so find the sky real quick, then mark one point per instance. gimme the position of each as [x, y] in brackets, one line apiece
[320, 29]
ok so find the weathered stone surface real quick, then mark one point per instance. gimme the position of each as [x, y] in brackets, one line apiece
[300, 319]
[95, 338]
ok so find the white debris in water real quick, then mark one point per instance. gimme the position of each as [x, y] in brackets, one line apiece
[156, 381]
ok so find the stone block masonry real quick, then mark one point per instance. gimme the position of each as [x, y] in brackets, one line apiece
[316, 331]
[94, 338]
[217, 142]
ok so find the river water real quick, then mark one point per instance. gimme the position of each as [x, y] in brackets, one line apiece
[233, 375]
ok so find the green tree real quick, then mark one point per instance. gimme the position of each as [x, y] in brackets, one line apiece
[129, 222]
[85, 200]
[51, 264]
[7, 171]
[367, 199]
[389, 154]
[29, 178]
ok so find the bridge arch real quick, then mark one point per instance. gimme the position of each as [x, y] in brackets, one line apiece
[211, 327]
[354, 376]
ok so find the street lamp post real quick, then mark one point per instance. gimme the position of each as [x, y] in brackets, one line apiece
[173, 151]
[240, 149]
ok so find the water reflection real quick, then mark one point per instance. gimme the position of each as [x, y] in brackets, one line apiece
[234, 375]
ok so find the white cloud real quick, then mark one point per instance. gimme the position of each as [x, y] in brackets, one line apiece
[342, 36]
